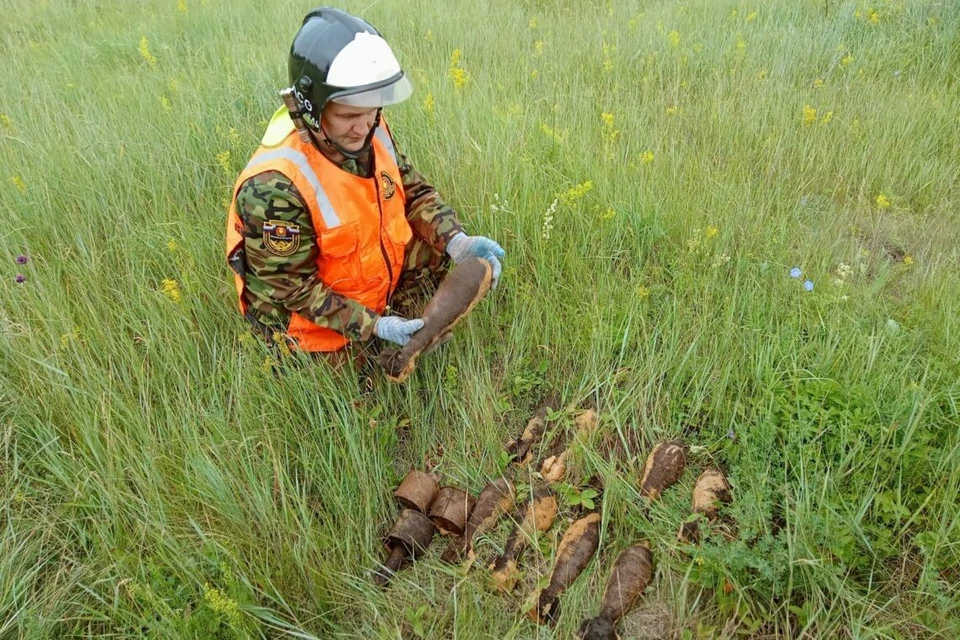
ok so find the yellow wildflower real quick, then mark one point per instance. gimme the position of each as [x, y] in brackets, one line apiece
[632, 22]
[873, 16]
[809, 115]
[882, 202]
[429, 35]
[818, 83]
[6, 121]
[741, 44]
[646, 157]
[846, 60]
[428, 103]
[456, 73]
[642, 293]
[165, 103]
[182, 6]
[538, 47]
[827, 117]
[533, 22]
[223, 159]
[711, 232]
[610, 132]
[762, 74]
[221, 603]
[575, 193]
[280, 340]
[672, 111]
[233, 137]
[558, 136]
[907, 261]
[751, 16]
[607, 214]
[67, 338]
[171, 289]
[534, 74]
[172, 245]
[19, 184]
[674, 37]
[608, 51]
[145, 52]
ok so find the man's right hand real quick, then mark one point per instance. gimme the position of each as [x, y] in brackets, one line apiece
[396, 329]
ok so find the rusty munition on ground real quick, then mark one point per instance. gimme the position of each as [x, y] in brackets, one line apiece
[537, 518]
[496, 499]
[417, 491]
[456, 296]
[632, 572]
[577, 548]
[663, 468]
[710, 492]
[521, 449]
[408, 539]
[450, 510]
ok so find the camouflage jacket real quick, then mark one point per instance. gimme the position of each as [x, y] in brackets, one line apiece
[277, 286]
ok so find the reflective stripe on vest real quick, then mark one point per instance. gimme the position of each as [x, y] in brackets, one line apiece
[385, 140]
[330, 217]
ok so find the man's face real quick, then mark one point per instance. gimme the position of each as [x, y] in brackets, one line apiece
[347, 126]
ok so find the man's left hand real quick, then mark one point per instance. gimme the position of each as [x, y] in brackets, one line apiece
[462, 246]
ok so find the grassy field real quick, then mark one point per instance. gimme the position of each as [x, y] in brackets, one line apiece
[654, 171]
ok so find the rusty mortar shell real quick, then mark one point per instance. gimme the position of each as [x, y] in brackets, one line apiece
[409, 538]
[451, 510]
[417, 491]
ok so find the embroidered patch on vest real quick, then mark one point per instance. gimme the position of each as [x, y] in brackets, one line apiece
[281, 238]
[387, 185]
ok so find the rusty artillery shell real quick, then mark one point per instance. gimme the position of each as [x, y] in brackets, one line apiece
[664, 466]
[451, 510]
[711, 491]
[409, 538]
[417, 491]
[631, 573]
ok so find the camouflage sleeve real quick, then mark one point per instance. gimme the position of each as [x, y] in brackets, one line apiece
[283, 278]
[430, 217]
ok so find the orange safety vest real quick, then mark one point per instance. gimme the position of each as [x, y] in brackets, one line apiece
[360, 223]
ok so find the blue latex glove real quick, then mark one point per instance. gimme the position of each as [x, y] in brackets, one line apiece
[462, 246]
[396, 329]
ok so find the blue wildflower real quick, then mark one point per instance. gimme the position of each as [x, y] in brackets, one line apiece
[808, 285]
[796, 272]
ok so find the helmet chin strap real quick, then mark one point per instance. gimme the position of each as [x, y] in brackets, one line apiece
[352, 155]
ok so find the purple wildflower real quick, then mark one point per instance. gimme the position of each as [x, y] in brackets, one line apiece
[808, 285]
[21, 259]
[732, 435]
[796, 272]
[21, 278]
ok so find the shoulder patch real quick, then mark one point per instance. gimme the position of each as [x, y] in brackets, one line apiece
[281, 238]
[387, 185]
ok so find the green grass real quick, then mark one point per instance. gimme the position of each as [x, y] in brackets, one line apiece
[156, 480]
